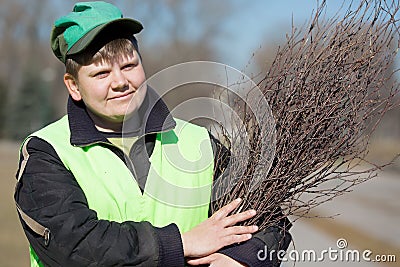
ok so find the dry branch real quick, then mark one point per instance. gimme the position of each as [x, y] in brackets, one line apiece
[328, 88]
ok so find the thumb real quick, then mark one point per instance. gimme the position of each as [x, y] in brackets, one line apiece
[199, 261]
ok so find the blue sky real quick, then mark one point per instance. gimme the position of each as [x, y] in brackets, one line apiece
[262, 20]
[247, 26]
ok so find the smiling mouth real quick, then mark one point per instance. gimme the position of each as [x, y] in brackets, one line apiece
[122, 96]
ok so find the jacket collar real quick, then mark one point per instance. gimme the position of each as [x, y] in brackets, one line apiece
[157, 118]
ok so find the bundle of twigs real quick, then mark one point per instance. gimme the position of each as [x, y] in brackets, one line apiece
[328, 88]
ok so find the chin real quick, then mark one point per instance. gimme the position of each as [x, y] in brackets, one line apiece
[117, 119]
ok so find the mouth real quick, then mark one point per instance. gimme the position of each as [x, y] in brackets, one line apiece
[122, 96]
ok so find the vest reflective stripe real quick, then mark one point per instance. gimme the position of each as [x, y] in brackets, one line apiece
[178, 186]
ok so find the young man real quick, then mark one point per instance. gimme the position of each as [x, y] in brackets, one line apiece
[86, 196]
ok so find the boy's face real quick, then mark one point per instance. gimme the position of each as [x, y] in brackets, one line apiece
[111, 90]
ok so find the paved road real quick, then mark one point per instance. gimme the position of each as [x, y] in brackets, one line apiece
[369, 220]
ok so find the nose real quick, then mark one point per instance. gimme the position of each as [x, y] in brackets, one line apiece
[119, 82]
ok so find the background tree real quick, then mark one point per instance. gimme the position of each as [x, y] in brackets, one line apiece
[26, 59]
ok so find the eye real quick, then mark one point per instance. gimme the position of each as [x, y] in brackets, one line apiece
[101, 74]
[128, 66]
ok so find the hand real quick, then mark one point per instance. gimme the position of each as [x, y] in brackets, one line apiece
[215, 260]
[218, 231]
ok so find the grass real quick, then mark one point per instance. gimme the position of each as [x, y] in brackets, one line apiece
[13, 243]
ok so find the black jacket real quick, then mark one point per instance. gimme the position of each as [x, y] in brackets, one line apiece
[49, 194]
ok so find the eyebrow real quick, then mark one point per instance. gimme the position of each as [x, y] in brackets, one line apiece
[107, 60]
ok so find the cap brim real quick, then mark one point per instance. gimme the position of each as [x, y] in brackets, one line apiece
[124, 26]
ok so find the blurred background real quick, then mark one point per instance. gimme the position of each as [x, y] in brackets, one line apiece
[242, 34]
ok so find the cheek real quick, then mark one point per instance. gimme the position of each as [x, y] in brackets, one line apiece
[137, 99]
[94, 93]
[140, 76]
[140, 95]
[143, 91]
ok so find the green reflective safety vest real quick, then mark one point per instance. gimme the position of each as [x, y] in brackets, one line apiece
[178, 186]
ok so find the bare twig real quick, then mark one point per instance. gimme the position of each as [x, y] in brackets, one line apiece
[328, 87]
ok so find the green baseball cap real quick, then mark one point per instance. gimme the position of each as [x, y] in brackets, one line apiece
[72, 33]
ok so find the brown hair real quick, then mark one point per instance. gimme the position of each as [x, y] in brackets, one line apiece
[112, 51]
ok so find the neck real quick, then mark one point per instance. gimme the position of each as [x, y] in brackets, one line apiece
[127, 124]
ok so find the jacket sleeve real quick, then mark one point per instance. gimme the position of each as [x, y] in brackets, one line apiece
[255, 251]
[263, 248]
[49, 194]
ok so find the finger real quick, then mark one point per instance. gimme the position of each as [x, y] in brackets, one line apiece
[238, 217]
[204, 260]
[225, 210]
[232, 239]
[239, 230]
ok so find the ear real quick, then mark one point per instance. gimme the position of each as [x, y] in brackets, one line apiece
[72, 87]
